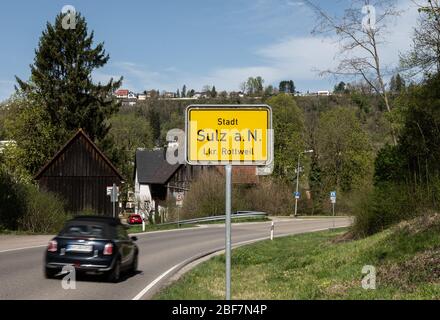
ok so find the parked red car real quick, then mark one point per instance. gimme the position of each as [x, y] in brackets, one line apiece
[135, 219]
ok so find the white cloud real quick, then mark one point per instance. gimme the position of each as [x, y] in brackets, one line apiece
[297, 57]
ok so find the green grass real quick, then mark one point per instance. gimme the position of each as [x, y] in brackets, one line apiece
[155, 227]
[315, 266]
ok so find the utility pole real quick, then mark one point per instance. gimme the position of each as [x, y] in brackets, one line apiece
[297, 179]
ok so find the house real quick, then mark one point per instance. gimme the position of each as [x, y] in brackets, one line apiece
[80, 174]
[142, 96]
[151, 94]
[156, 181]
[128, 102]
[122, 93]
[323, 93]
[168, 95]
[235, 94]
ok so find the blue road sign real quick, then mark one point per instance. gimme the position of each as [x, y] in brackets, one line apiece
[297, 195]
[333, 194]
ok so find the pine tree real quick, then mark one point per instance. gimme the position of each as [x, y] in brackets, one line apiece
[184, 91]
[400, 83]
[213, 92]
[61, 78]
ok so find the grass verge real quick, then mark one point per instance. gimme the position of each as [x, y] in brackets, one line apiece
[323, 266]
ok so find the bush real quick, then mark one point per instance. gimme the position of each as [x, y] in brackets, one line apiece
[272, 196]
[387, 204]
[12, 206]
[206, 197]
[44, 212]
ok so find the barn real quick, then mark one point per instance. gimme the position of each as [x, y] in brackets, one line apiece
[80, 173]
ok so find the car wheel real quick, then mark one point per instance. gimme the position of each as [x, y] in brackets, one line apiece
[134, 266]
[49, 273]
[115, 274]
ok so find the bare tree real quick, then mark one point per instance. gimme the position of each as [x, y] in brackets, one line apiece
[360, 32]
[425, 52]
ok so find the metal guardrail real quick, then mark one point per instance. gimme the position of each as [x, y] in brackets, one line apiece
[239, 214]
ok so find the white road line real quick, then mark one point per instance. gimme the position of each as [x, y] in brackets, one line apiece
[152, 284]
[23, 248]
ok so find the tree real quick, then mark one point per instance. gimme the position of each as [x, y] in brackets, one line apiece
[397, 84]
[213, 92]
[223, 94]
[287, 87]
[178, 93]
[288, 124]
[184, 91]
[128, 132]
[28, 123]
[344, 150]
[253, 86]
[340, 87]
[424, 56]
[269, 91]
[420, 133]
[206, 88]
[154, 119]
[11, 198]
[61, 79]
[360, 31]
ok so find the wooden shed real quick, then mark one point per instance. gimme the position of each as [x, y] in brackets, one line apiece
[80, 173]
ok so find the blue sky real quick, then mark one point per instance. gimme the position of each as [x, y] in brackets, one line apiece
[165, 44]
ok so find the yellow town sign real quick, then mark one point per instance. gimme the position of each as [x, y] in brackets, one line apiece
[229, 134]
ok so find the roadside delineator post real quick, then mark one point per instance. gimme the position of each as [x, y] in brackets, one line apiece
[272, 230]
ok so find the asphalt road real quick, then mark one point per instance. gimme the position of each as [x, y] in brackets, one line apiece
[161, 255]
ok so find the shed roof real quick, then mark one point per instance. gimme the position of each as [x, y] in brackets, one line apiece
[78, 134]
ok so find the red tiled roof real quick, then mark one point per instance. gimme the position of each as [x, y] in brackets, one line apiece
[122, 92]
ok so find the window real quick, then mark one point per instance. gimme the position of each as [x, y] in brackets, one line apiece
[83, 230]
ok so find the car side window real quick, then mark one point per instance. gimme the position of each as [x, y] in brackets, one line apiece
[122, 233]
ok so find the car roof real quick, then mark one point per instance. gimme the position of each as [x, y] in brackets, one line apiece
[100, 219]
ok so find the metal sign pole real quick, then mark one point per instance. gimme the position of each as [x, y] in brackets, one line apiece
[228, 171]
[114, 199]
[333, 215]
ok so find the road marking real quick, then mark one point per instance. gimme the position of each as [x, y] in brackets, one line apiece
[23, 248]
[152, 284]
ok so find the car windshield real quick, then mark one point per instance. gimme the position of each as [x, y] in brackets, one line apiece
[87, 230]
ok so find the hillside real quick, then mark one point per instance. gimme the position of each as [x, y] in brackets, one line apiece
[326, 266]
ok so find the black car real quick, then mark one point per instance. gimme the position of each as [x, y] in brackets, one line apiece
[92, 244]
